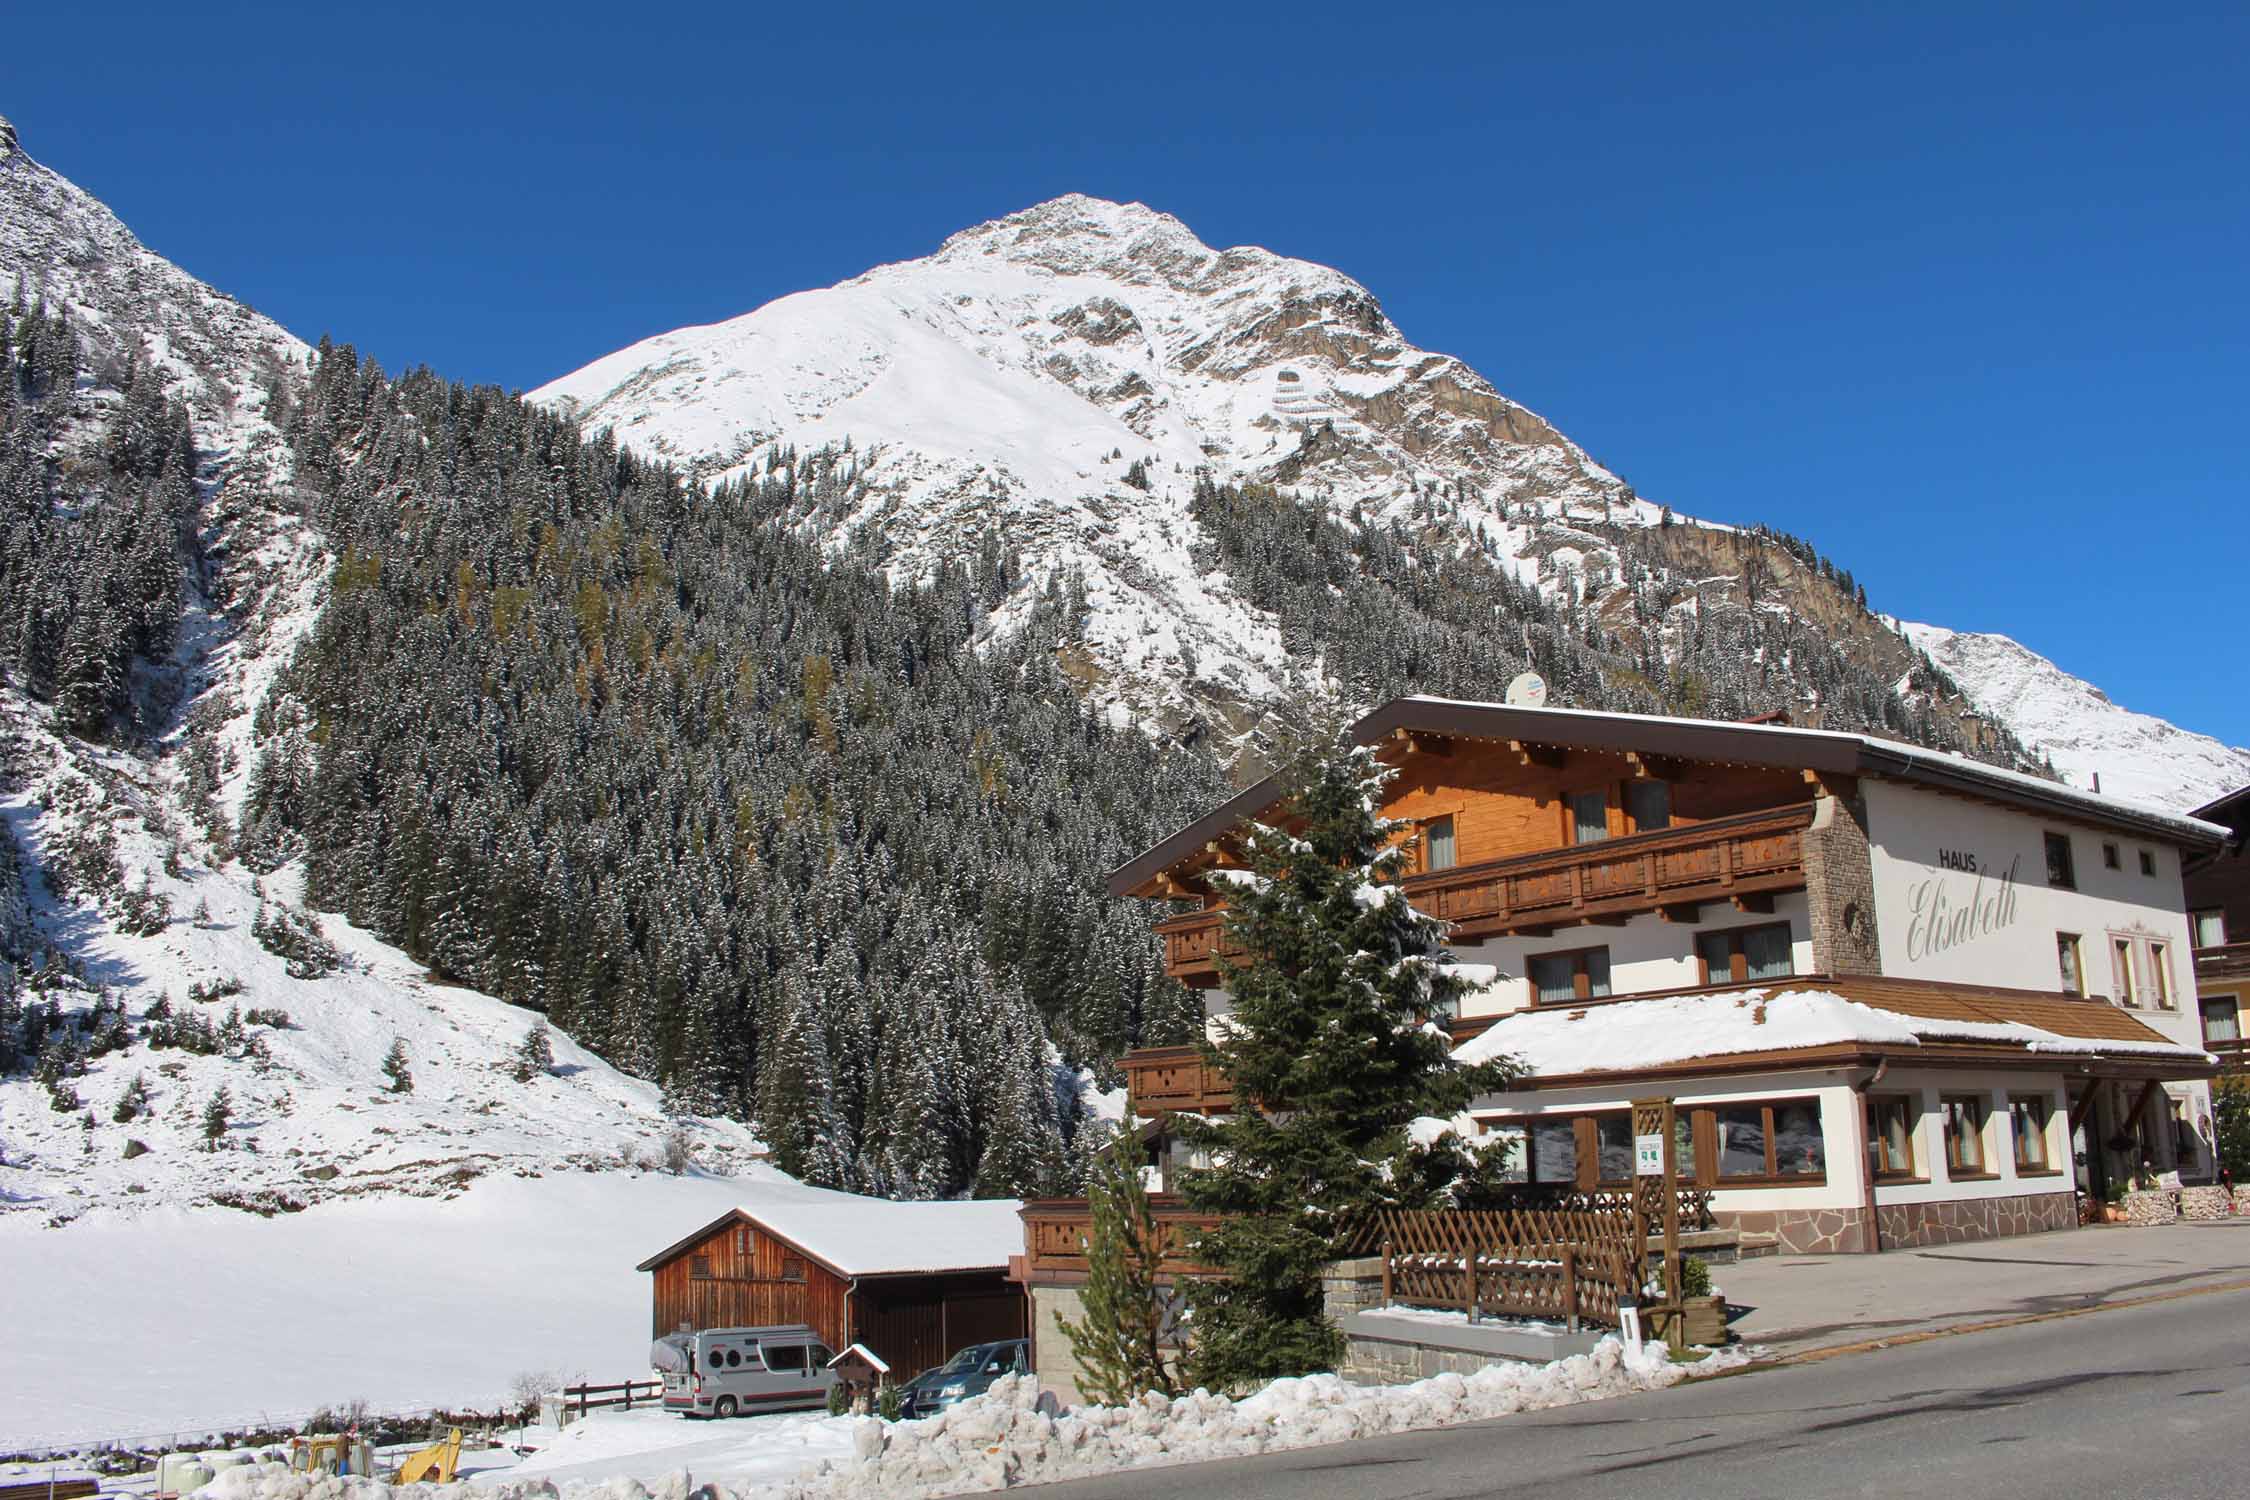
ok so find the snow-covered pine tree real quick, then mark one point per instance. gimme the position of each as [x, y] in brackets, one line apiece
[216, 1116]
[535, 1054]
[1335, 1044]
[1119, 1343]
[133, 1103]
[394, 1068]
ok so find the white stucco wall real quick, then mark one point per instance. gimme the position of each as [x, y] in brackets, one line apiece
[1647, 953]
[1930, 1087]
[1984, 927]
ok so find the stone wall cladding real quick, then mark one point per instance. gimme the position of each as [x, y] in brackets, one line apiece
[1381, 1362]
[2153, 1206]
[1051, 1353]
[2205, 1203]
[1840, 889]
[1913, 1225]
[1349, 1286]
[1805, 1231]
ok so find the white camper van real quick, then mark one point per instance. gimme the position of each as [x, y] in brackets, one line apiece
[723, 1372]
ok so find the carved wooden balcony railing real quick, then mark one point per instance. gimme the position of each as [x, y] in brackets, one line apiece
[1056, 1232]
[2227, 961]
[1161, 1080]
[1675, 871]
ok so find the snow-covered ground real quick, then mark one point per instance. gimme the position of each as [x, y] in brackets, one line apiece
[646, 1444]
[182, 1322]
[1005, 1439]
[2087, 734]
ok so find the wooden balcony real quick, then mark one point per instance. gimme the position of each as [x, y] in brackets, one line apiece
[1056, 1232]
[1168, 1080]
[2233, 1054]
[1673, 872]
[2227, 961]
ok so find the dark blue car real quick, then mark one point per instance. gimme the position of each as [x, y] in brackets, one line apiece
[970, 1372]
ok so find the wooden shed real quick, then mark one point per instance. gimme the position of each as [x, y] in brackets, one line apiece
[911, 1281]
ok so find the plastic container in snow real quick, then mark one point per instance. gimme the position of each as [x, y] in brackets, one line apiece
[178, 1473]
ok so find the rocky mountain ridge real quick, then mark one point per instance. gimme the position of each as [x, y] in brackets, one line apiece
[1062, 381]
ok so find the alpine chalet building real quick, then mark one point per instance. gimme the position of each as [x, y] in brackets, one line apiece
[1899, 997]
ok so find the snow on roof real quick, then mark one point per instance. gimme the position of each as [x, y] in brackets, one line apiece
[1636, 1035]
[860, 1236]
[866, 1355]
[880, 1237]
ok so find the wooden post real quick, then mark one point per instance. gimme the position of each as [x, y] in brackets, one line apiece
[1386, 1265]
[1655, 1117]
[1570, 1287]
[1467, 1244]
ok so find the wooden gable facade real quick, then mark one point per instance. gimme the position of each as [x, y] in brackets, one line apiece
[737, 1272]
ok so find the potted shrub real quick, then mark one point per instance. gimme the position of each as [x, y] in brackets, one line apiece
[1703, 1313]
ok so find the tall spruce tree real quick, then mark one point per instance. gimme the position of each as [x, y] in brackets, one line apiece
[1335, 1044]
[1120, 1341]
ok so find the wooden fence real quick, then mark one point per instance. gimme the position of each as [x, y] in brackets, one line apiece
[1571, 1266]
[581, 1399]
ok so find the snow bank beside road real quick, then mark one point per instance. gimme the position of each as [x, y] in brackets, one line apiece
[1003, 1439]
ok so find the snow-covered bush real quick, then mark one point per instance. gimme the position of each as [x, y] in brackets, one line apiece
[295, 936]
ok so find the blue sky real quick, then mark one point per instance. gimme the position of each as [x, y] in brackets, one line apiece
[1956, 291]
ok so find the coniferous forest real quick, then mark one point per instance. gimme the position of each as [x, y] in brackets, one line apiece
[744, 817]
[92, 559]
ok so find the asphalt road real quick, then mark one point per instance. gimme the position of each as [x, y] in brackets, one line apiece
[2150, 1401]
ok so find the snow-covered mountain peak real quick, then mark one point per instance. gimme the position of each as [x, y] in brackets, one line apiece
[7, 138]
[1079, 235]
[1057, 379]
[2087, 735]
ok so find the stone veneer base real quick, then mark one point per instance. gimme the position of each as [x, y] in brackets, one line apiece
[1906, 1226]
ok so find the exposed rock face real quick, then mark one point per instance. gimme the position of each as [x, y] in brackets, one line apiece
[1007, 384]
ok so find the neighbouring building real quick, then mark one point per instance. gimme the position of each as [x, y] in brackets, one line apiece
[1899, 997]
[911, 1282]
[2218, 898]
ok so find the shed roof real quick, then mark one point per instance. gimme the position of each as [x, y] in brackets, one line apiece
[1779, 746]
[1825, 1020]
[858, 1236]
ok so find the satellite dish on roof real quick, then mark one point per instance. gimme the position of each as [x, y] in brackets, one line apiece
[1529, 690]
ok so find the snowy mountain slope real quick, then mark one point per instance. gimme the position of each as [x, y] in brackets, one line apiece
[313, 1117]
[2080, 728]
[1056, 379]
[235, 370]
[97, 840]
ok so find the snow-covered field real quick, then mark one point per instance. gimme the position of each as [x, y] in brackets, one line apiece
[647, 1444]
[186, 1321]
